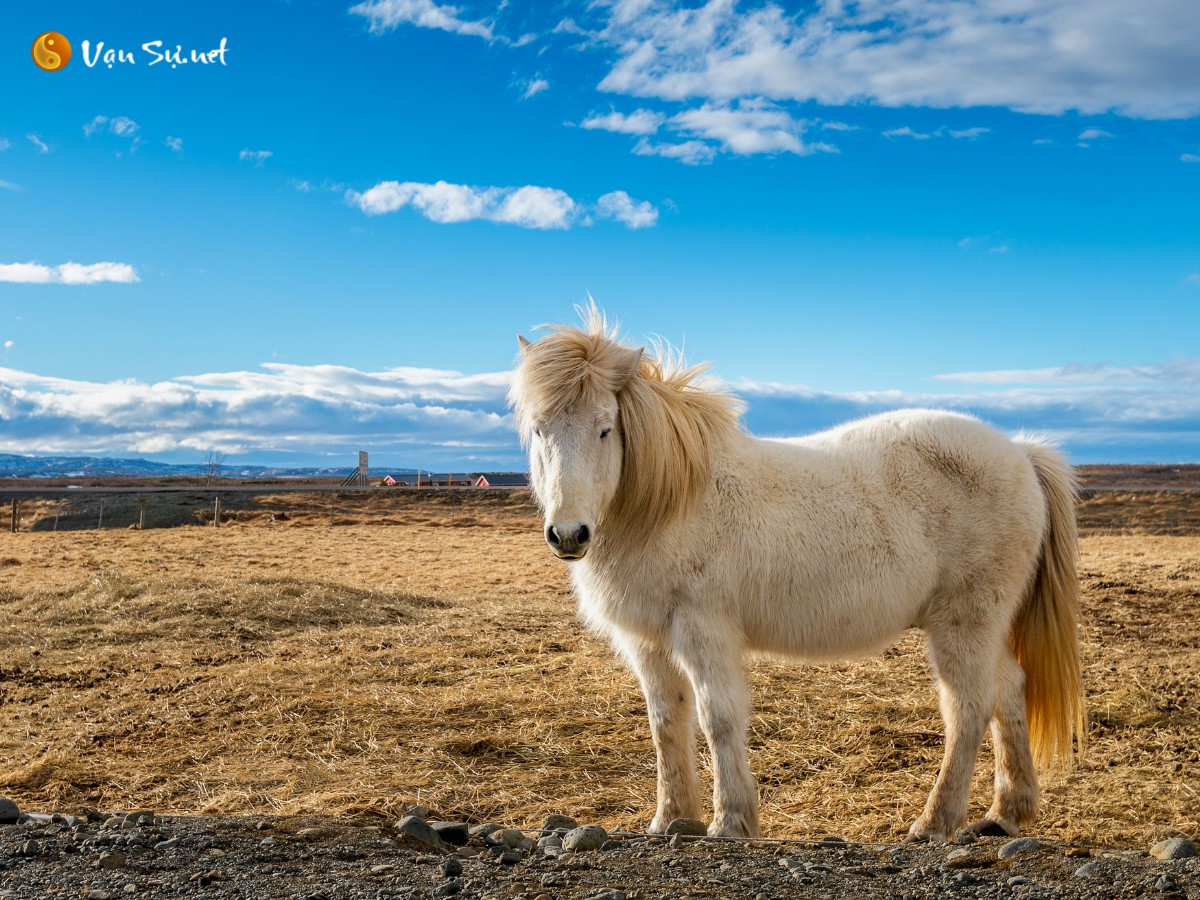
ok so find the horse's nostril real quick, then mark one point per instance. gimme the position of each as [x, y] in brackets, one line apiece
[552, 536]
[584, 534]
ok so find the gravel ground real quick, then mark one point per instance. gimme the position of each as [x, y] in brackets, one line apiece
[100, 856]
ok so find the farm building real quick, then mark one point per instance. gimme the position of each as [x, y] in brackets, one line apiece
[447, 479]
[431, 479]
[501, 479]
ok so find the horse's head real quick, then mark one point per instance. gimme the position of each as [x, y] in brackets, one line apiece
[566, 394]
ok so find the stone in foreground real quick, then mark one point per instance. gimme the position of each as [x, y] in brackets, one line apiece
[586, 837]
[1173, 848]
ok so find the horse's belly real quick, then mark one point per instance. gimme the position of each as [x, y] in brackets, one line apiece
[828, 625]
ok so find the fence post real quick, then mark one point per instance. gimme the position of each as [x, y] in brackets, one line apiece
[217, 512]
[331, 510]
[16, 515]
[141, 513]
[100, 521]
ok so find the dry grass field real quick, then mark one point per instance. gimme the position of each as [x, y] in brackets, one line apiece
[297, 667]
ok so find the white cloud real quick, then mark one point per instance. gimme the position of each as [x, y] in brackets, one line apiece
[691, 152]
[67, 273]
[257, 156]
[534, 87]
[41, 145]
[536, 207]
[641, 121]
[992, 243]
[906, 132]
[620, 206]
[1045, 57]
[530, 206]
[1178, 371]
[964, 134]
[174, 143]
[5, 143]
[120, 126]
[1189, 158]
[749, 128]
[385, 15]
[439, 202]
[11, 186]
[570, 26]
[123, 126]
[8, 345]
[1092, 134]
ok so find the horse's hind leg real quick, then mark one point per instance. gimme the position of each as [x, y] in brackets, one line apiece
[672, 712]
[963, 655]
[1016, 800]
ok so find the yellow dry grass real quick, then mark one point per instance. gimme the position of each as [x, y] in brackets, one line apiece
[299, 668]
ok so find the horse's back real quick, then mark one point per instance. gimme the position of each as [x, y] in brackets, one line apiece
[970, 486]
[873, 525]
[926, 454]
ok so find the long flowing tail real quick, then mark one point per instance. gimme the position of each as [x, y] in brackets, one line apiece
[1045, 633]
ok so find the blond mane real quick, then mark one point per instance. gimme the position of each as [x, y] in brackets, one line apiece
[671, 421]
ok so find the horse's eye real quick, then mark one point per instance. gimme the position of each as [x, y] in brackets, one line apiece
[605, 433]
[537, 431]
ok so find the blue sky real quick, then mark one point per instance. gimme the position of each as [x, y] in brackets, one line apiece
[327, 238]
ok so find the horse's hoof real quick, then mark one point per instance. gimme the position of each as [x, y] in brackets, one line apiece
[912, 838]
[734, 826]
[990, 828]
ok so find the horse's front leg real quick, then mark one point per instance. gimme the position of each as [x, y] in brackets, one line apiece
[711, 656]
[672, 712]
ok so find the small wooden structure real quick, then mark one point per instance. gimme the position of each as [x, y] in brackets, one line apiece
[358, 476]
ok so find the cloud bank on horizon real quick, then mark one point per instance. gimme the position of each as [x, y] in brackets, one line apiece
[434, 418]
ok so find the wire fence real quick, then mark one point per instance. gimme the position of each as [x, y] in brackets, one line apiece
[94, 508]
[1175, 512]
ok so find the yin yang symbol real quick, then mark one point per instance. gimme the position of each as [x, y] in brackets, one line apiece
[51, 51]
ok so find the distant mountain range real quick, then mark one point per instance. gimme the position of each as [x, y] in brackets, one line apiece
[13, 466]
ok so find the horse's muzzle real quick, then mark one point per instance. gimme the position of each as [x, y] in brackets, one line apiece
[568, 540]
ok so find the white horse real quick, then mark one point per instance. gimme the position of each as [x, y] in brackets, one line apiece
[692, 542]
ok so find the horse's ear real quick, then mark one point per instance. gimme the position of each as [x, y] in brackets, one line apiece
[523, 344]
[630, 364]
